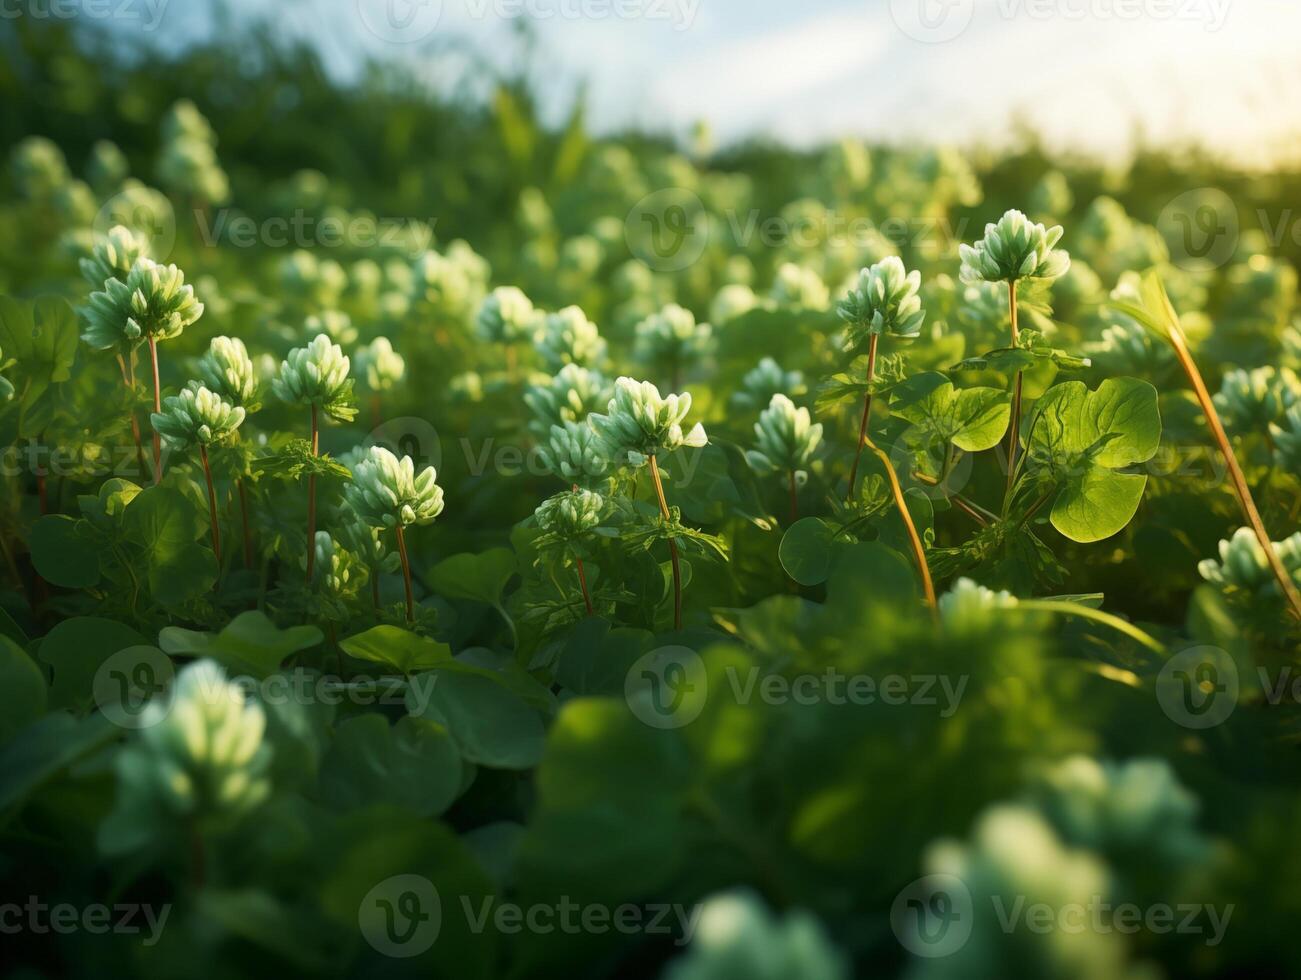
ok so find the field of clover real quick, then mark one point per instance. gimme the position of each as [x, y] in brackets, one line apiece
[647, 562]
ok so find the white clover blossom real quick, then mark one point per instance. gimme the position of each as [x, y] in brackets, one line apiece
[1250, 401]
[640, 422]
[362, 539]
[800, 287]
[1287, 442]
[570, 514]
[317, 375]
[197, 416]
[672, 336]
[568, 337]
[1015, 248]
[227, 369]
[732, 301]
[575, 453]
[765, 380]
[787, 438]
[571, 396]
[506, 316]
[114, 256]
[318, 282]
[154, 302]
[453, 282]
[886, 300]
[379, 366]
[1244, 567]
[200, 754]
[967, 602]
[387, 492]
[335, 324]
[334, 569]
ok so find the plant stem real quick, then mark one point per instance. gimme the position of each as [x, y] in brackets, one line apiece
[673, 545]
[1098, 616]
[212, 504]
[919, 550]
[1245, 500]
[582, 581]
[406, 574]
[980, 514]
[129, 379]
[795, 500]
[311, 501]
[1014, 429]
[243, 518]
[867, 412]
[158, 407]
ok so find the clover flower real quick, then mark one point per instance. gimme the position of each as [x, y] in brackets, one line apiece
[967, 603]
[738, 936]
[335, 568]
[200, 754]
[335, 324]
[672, 336]
[800, 287]
[317, 375]
[387, 492]
[39, 168]
[114, 256]
[227, 370]
[506, 316]
[765, 380]
[107, 167]
[315, 282]
[379, 366]
[1249, 401]
[640, 423]
[786, 438]
[1138, 808]
[732, 301]
[153, 303]
[453, 283]
[568, 337]
[1015, 248]
[187, 162]
[575, 453]
[1243, 566]
[886, 300]
[571, 396]
[1287, 442]
[571, 514]
[197, 416]
[363, 539]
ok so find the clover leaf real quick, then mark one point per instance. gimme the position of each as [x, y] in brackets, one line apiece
[1079, 439]
[973, 419]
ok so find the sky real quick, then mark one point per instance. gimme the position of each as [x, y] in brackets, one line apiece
[1085, 73]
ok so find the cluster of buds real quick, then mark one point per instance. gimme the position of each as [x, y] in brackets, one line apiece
[886, 301]
[387, 492]
[317, 375]
[787, 438]
[227, 370]
[197, 417]
[153, 302]
[640, 423]
[1013, 249]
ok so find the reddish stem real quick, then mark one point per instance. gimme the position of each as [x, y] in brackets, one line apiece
[582, 581]
[158, 407]
[129, 379]
[406, 574]
[867, 412]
